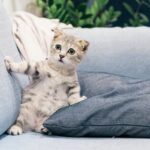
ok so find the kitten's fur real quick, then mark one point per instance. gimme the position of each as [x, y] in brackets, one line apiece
[54, 82]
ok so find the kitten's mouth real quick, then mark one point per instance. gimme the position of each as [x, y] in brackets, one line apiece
[60, 60]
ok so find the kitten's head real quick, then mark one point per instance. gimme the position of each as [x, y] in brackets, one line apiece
[67, 50]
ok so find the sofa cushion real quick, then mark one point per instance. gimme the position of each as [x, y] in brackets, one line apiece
[116, 106]
[10, 84]
[36, 141]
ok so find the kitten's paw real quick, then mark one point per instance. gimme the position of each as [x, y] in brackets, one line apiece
[8, 61]
[83, 98]
[15, 130]
[74, 101]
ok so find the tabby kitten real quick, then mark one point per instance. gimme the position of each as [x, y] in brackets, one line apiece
[54, 82]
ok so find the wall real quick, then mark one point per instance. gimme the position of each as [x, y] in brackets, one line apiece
[26, 5]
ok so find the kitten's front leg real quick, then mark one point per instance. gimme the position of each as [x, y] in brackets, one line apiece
[15, 67]
[74, 95]
[33, 69]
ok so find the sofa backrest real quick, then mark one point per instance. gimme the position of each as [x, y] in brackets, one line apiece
[123, 51]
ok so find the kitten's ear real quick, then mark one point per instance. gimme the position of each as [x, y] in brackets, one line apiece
[57, 33]
[84, 44]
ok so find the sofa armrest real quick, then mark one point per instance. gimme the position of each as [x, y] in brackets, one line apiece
[10, 84]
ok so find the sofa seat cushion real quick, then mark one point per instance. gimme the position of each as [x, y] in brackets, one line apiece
[36, 141]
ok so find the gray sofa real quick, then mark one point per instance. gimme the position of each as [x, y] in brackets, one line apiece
[114, 50]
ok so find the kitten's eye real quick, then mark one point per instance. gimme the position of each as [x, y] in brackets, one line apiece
[71, 51]
[58, 46]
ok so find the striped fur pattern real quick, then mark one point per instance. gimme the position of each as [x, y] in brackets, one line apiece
[54, 83]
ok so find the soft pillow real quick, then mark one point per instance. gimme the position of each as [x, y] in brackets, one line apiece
[10, 87]
[116, 106]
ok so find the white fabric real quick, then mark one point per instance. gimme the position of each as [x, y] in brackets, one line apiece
[33, 35]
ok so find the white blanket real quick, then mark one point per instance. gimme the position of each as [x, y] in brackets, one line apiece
[33, 35]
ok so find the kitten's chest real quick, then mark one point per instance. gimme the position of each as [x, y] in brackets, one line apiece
[53, 80]
[58, 78]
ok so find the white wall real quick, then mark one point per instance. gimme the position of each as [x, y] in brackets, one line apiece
[26, 5]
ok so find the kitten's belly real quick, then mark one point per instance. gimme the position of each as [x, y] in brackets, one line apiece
[49, 88]
[45, 100]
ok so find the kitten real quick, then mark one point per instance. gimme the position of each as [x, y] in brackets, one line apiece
[54, 82]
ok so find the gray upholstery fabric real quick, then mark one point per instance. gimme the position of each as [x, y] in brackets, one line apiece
[116, 106]
[10, 85]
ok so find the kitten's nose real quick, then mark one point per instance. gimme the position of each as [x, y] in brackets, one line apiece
[61, 56]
